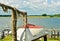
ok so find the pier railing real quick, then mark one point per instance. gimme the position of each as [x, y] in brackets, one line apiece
[54, 33]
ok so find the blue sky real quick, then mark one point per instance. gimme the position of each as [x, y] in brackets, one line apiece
[34, 7]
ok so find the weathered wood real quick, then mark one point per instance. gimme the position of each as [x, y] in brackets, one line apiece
[14, 18]
[57, 34]
[25, 19]
[5, 7]
[51, 34]
[54, 33]
[25, 23]
[2, 35]
[45, 38]
[14, 22]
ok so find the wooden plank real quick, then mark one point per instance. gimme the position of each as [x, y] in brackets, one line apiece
[45, 38]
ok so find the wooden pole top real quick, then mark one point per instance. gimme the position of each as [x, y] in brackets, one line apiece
[6, 7]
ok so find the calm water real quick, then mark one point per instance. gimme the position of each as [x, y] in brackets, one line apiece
[5, 22]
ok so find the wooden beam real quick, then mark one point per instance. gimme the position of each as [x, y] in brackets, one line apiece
[3, 5]
[9, 7]
[45, 38]
[14, 24]
[25, 19]
[57, 34]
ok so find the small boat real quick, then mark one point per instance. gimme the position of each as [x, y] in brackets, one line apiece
[31, 29]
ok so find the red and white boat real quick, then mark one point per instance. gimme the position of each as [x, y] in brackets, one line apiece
[30, 31]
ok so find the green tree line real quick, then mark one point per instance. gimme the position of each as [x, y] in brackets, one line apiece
[5, 15]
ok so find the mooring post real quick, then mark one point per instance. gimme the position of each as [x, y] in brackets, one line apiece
[51, 34]
[54, 34]
[14, 22]
[45, 38]
[25, 24]
[2, 35]
[24, 19]
[57, 34]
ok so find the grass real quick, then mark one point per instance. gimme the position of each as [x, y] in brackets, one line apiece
[42, 17]
[54, 39]
[9, 38]
[38, 17]
[50, 39]
[39, 40]
[1, 40]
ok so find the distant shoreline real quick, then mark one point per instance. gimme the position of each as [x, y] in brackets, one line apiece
[33, 16]
[5, 15]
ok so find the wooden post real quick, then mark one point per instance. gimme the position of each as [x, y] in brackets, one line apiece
[51, 34]
[2, 35]
[33, 40]
[25, 24]
[54, 34]
[57, 34]
[25, 19]
[14, 22]
[45, 38]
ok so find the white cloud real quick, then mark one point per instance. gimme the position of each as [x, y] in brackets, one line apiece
[58, 3]
[30, 3]
[33, 4]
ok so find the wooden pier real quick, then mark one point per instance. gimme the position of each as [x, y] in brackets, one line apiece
[54, 33]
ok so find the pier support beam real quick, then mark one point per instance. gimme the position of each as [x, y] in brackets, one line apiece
[2, 35]
[58, 35]
[25, 24]
[45, 38]
[14, 24]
